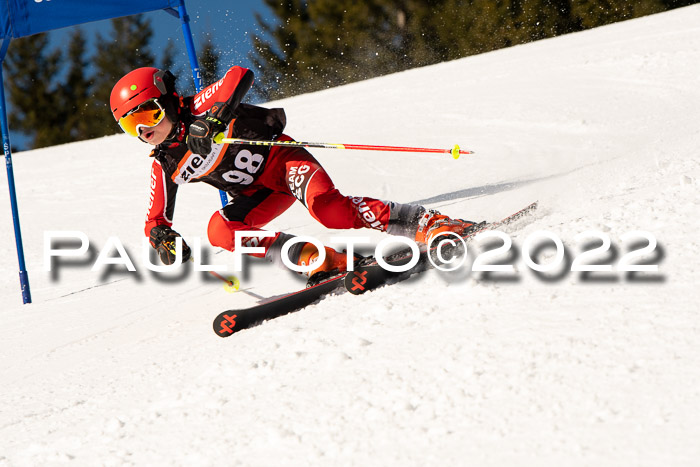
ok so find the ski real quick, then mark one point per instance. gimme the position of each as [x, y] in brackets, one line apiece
[368, 275]
[232, 321]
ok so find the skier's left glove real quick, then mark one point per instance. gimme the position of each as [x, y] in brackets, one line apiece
[162, 238]
[203, 130]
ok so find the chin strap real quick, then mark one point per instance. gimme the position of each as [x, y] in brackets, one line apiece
[179, 132]
[176, 136]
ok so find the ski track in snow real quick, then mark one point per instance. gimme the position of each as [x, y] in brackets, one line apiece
[115, 368]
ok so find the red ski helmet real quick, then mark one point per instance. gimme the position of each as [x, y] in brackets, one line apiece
[142, 85]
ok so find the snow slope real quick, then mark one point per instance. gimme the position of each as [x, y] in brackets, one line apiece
[114, 368]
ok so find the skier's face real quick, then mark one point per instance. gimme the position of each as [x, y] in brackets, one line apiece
[156, 134]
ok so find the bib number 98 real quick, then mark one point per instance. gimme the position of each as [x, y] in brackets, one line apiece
[248, 164]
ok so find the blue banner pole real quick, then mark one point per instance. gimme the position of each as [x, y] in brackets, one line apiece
[23, 276]
[194, 63]
[189, 43]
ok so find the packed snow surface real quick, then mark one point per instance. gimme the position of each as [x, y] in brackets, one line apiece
[110, 367]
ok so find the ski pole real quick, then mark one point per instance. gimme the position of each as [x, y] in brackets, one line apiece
[231, 283]
[455, 151]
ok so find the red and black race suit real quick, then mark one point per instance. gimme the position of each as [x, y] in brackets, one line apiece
[228, 167]
[263, 182]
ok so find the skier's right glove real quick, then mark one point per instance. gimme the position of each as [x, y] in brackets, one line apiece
[162, 238]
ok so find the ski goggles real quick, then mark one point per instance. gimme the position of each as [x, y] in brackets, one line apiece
[148, 114]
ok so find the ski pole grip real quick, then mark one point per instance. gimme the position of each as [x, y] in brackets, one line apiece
[218, 138]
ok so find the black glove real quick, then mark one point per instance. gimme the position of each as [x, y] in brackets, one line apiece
[202, 132]
[162, 238]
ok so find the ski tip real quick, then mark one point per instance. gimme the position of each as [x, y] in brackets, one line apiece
[225, 324]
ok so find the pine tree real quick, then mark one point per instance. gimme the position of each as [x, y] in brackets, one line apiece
[679, 3]
[36, 105]
[208, 59]
[167, 58]
[594, 13]
[75, 92]
[274, 59]
[326, 43]
[125, 49]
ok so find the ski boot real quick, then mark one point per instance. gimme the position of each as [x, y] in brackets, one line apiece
[433, 224]
[334, 264]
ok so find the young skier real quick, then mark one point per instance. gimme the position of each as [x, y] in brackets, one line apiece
[261, 181]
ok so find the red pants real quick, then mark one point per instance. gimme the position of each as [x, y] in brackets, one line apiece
[292, 174]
